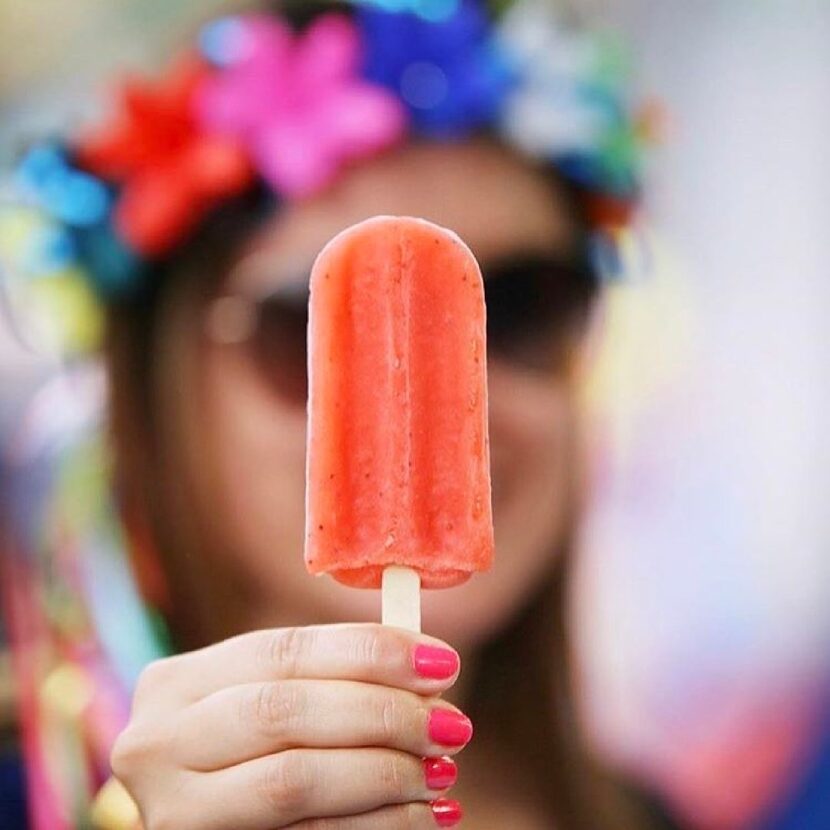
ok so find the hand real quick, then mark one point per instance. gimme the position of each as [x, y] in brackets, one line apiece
[324, 727]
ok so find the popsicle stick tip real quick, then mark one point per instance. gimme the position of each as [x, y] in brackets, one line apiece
[401, 598]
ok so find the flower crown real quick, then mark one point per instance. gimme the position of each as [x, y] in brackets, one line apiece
[258, 103]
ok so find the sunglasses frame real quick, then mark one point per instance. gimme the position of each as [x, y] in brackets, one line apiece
[233, 318]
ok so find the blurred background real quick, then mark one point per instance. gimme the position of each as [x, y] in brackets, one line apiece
[704, 591]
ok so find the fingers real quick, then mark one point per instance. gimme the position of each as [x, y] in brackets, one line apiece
[245, 722]
[305, 727]
[298, 785]
[441, 813]
[367, 653]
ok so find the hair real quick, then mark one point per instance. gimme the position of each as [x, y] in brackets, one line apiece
[523, 691]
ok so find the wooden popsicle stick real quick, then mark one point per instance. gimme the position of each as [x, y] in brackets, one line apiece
[401, 598]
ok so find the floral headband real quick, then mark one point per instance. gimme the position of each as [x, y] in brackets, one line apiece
[258, 103]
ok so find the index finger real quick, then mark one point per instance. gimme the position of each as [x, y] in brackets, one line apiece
[368, 653]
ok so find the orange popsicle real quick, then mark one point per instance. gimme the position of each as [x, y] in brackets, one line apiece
[398, 469]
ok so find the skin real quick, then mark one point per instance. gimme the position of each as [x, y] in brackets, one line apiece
[196, 727]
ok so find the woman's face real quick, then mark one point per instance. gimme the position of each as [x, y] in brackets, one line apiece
[254, 436]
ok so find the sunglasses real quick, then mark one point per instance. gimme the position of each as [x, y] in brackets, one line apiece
[534, 306]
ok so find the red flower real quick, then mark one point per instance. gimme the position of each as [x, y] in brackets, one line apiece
[171, 171]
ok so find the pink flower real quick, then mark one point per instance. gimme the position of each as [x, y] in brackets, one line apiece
[297, 101]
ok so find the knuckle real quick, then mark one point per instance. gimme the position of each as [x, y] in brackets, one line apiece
[284, 647]
[389, 717]
[278, 709]
[155, 676]
[410, 816]
[134, 748]
[395, 775]
[121, 755]
[375, 647]
[420, 720]
[405, 817]
[413, 815]
[288, 784]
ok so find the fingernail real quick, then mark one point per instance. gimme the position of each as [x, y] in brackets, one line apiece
[449, 728]
[440, 773]
[435, 663]
[447, 812]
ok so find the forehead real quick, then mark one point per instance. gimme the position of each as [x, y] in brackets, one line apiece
[497, 203]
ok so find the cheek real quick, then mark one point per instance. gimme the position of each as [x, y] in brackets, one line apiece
[257, 445]
[530, 437]
[532, 452]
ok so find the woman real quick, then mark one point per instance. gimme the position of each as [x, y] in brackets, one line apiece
[284, 705]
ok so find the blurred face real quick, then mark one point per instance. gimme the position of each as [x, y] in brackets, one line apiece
[251, 424]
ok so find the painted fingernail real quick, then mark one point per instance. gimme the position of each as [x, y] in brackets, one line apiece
[449, 728]
[440, 773]
[435, 663]
[447, 812]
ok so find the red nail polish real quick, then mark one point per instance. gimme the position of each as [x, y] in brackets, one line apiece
[435, 663]
[440, 773]
[449, 728]
[447, 812]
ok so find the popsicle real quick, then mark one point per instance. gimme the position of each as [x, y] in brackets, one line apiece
[398, 472]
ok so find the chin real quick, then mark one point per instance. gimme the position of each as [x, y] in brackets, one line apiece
[466, 615]
[471, 614]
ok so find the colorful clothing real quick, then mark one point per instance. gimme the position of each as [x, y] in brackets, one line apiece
[78, 629]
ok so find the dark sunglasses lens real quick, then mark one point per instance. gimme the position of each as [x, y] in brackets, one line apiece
[279, 343]
[532, 306]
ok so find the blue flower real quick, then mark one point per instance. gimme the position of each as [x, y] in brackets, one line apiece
[222, 41]
[114, 269]
[78, 205]
[68, 195]
[433, 10]
[570, 107]
[446, 69]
